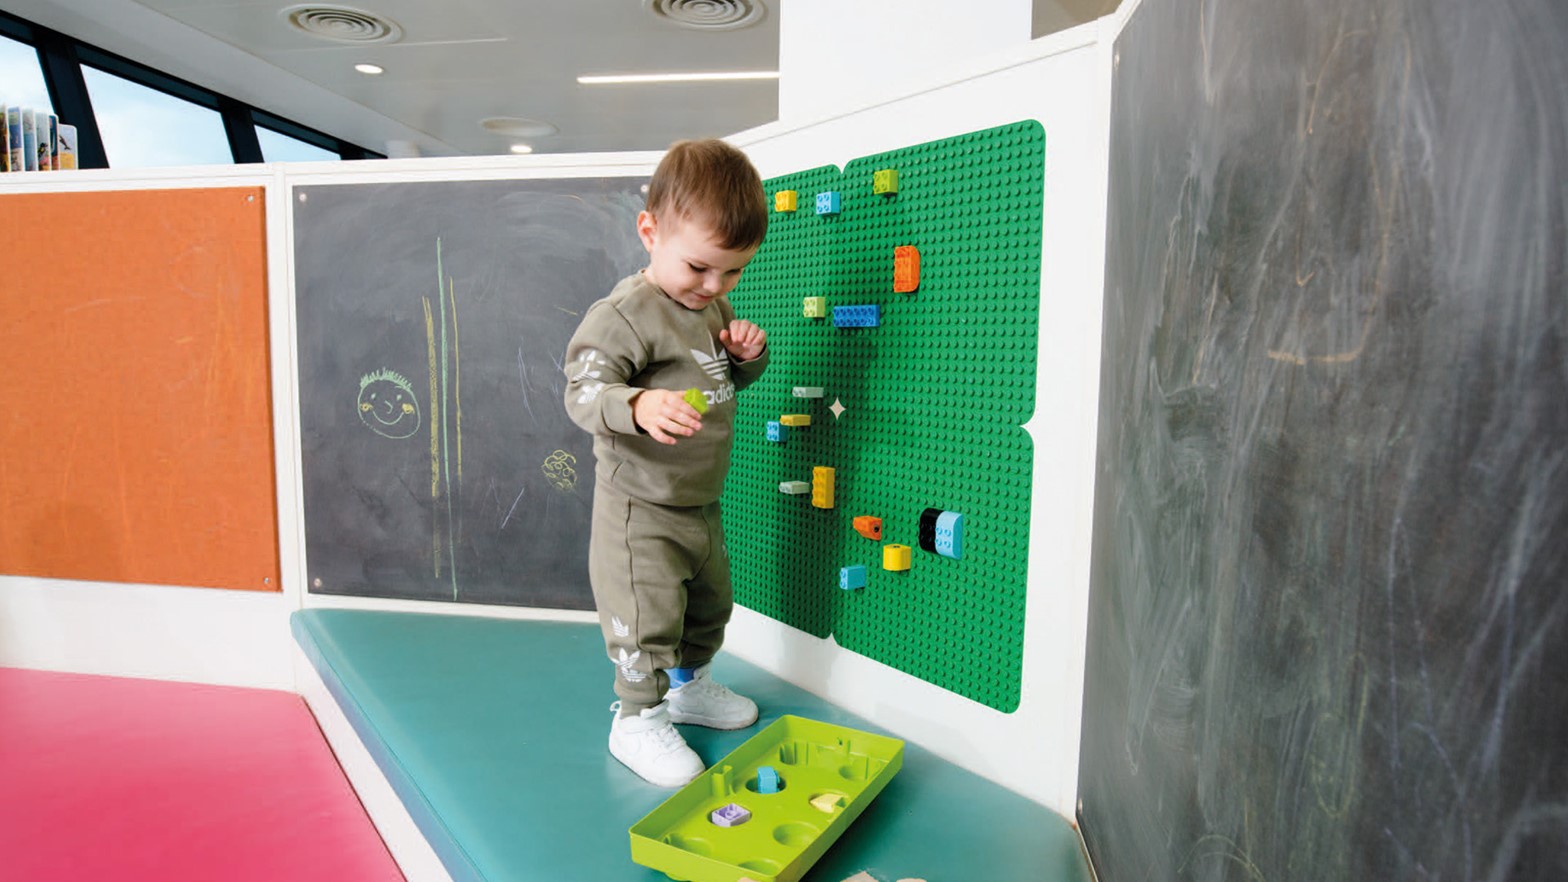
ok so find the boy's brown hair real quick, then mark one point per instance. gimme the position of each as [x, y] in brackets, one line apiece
[711, 181]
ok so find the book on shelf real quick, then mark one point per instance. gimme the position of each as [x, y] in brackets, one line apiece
[13, 125]
[67, 154]
[48, 139]
[29, 139]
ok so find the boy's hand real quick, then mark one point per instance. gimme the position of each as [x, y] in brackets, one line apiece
[664, 414]
[743, 339]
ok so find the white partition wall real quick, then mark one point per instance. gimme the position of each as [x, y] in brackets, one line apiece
[1062, 81]
[834, 55]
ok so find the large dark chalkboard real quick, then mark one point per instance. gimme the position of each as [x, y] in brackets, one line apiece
[456, 299]
[1329, 613]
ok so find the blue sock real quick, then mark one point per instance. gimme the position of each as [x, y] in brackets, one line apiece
[680, 676]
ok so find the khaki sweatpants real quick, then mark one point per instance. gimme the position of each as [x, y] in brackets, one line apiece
[661, 581]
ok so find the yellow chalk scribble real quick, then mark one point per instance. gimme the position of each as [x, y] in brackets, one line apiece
[435, 433]
[558, 467]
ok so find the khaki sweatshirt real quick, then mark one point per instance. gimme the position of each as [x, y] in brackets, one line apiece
[638, 338]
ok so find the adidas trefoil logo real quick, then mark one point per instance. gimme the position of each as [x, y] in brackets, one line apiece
[713, 364]
[588, 369]
[590, 392]
[626, 661]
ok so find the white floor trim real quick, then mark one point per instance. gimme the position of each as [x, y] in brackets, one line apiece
[156, 632]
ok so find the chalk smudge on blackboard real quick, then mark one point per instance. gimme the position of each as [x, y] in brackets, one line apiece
[1326, 610]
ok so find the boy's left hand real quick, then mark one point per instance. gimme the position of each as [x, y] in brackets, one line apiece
[743, 340]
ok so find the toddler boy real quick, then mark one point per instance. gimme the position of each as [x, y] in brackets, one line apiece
[656, 558]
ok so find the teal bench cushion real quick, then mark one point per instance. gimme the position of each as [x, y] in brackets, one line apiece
[492, 732]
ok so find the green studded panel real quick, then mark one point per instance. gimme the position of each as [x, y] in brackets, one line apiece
[933, 403]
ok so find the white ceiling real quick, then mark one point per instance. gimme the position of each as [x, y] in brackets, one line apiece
[456, 63]
[459, 62]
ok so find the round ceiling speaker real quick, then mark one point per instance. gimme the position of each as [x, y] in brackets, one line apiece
[342, 24]
[708, 15]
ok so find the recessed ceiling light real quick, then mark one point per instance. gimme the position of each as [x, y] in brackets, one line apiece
[371, 69]
[605, 79]
[517, 126]
[522, 148]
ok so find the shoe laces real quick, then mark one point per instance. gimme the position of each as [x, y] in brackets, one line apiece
[667, 738]
[707, 687]
[664, 735]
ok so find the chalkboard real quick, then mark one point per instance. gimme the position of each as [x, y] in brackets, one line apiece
[1329, 587]
[432, 320]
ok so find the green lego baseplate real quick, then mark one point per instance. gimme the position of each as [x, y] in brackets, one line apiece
[922, 411]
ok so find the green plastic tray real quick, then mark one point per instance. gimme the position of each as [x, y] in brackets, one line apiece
[786, 833]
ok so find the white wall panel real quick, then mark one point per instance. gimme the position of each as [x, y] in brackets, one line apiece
[1062, 81]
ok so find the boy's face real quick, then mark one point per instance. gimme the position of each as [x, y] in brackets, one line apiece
[687, 262]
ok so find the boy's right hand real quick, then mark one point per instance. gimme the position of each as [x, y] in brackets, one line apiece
[664, 414]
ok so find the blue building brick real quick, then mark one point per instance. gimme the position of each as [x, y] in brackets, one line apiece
[852, 577]
[950, 534]
[866, 316]
[768, 780]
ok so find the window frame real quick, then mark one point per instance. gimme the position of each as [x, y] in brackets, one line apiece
[61, 57]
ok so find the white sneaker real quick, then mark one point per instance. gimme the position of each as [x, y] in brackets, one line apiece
[702, 702]
[648, 745]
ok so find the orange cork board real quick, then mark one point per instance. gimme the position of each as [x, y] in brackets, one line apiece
[136, 426]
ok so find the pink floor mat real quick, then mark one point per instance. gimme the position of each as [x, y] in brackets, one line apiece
[106, 778]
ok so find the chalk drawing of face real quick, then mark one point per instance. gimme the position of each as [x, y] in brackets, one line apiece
[387, 404]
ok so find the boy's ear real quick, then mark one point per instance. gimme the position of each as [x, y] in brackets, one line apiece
[647, 229]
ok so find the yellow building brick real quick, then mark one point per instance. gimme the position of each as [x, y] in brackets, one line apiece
[895, 557]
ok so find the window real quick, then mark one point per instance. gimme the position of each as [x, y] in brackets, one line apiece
[129, 115]
[141, 126]
[278, 147]
[20, 76]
